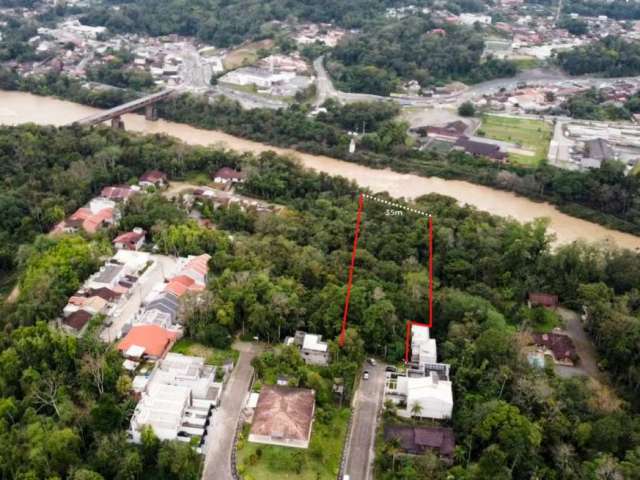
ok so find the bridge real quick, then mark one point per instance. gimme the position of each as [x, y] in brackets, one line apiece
[115, 114]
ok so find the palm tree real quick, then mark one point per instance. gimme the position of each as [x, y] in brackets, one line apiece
[416, 409]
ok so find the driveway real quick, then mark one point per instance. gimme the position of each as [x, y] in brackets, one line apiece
[368, 401]
[220, 437]
[586, 351]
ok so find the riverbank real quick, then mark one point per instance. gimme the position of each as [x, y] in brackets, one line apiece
[21, 107]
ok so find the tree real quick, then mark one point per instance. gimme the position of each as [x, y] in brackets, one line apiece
[179, 461]
[466, 109]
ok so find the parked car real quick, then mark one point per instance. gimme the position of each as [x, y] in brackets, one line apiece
[372, 362]
[366, 375]
[391, 368]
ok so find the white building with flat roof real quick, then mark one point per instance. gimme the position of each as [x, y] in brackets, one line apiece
[421, 397]
[312, 349]
[424, 349]
[176, 399]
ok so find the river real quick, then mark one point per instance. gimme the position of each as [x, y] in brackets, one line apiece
[20, 107]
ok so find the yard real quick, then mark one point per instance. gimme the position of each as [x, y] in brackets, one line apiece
[212, 356]
[245, 55]
[321, 461]
[530, 134]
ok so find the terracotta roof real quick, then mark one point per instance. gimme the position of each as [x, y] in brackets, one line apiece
[560, 345]
[89, 222]
[229, 174]
[544, 299]
[155, 340]
[417, 440]
[153, 176]
[200, 264]
[284, 412]
[103, 292]
[180, 285]
[117, 192]
[77, 319]
[130, 238]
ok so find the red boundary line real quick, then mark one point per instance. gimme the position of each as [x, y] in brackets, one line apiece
[410, 323]
[351, 268]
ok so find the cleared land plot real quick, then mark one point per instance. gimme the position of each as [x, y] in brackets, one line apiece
[533, 135]
[321, 461]
[245, 55]
[212, 356]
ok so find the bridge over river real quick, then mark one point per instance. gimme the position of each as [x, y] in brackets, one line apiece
[114, 114]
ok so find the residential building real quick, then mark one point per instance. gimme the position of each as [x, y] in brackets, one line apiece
[153, 178]
[557, 345]
[76, 321]
[146, 341]
[120, 193]
[226, 174]
[419, 440]
[596, 151]
[473, 18]
[423, 348]
[130, 240]
[421, 397]
[283, 416]
[98, 214]
[312, 349]
[481, 149]
[546, 300]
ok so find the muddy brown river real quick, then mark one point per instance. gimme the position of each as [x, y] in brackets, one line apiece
[20, 107]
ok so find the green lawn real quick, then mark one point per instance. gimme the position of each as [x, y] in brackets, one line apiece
[213, 356]
[321, 461]
[530, 134]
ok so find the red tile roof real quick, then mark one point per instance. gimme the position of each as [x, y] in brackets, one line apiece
[155, 340]
[284, 413]
[117, 192]
[229, 174]
[153, 176]
[560, 345]
[129, 238]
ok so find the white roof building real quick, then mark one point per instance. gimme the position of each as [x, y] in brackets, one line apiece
[312, 349]
[424, 349]
[176, 399]
[423, 397]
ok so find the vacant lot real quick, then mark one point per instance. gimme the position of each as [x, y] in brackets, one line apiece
[245, 55]
[533, 135]
[321, 461]
[212, 356]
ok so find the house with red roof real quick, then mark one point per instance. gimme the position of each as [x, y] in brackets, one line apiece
[227, 174]
[118, 193]
[149, 341]
[153, 178]
[130, 240]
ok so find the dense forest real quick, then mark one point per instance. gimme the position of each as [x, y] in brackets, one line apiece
[228, 23]
[378, 59]
[287, 271]
[606, 196]
[617, 9]
[610, 56]
[592, 105]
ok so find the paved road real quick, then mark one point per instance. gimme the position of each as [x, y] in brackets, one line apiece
[368, 402]
[219, 444]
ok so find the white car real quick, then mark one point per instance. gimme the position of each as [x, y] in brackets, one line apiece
[366, 375]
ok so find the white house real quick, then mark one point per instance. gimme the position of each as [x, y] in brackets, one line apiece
[422, 397]
[472, 18]
[424, 349]
[312, 349]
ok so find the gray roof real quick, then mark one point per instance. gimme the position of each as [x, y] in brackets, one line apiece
[167, 303]
[599, 149]
[109, 272]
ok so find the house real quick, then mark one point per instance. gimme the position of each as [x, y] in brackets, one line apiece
[419, 440]
[153, 178]
[423, 348]
[226, 174]
[559, 346]
[284, 416]
[150, 341]
[543, 300]
[182, 284]
[197, 267]
[420, 397]
[176, 400]
[596, 151]
[97, 214]
[130, 240]
[481, 149]
[312, 349]
[120, 193]
[76, 321]
[165, 302]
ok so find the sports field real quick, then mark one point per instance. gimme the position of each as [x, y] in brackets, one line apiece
[529, 134]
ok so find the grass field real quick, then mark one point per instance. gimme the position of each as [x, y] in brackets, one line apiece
[245, 55]
[212, 356]
[321, 461]
[533, 135]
